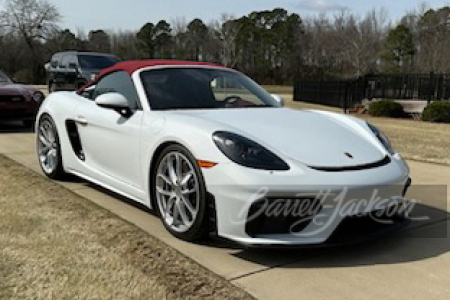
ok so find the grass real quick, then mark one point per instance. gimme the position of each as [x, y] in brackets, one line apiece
[279, 89]
[57, 245]
[304, 105]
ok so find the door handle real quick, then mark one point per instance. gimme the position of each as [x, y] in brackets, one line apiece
[82, 120]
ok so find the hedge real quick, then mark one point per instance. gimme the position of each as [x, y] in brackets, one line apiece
[386, 108]
[437, 112]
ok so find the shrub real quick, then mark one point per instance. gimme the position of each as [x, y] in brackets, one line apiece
[386, 108]
[437, 112]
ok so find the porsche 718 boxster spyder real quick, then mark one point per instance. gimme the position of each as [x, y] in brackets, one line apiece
[212, 152]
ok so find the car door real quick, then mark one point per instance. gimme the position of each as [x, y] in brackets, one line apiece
[110, 140]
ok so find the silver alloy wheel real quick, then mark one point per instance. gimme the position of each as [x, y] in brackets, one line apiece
[47, 147]
[177, 192]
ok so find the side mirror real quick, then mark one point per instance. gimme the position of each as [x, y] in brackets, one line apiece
[279, 100]
[114, 101]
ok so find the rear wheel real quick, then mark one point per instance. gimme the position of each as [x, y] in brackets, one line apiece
[49, 148]
[180, 194]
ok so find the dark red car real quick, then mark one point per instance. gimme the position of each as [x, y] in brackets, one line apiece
[18, 102]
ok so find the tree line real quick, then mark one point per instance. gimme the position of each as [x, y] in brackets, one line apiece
[273, 47]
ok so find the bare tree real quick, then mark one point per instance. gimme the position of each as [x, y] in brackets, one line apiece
[33, 20]
[360, 41]
[180, 41]
[123, 44]
[347, 45]
[226, 32]
[321, 44]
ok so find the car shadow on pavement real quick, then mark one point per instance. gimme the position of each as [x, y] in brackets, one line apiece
[14, 127]
[420, 240]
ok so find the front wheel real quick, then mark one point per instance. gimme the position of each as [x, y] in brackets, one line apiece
[49, 148]
[180, 194]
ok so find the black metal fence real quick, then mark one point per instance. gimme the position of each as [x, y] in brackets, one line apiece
[346, 94]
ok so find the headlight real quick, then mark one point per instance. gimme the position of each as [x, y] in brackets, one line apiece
[383, 138]
[248, 153]
[38, 96]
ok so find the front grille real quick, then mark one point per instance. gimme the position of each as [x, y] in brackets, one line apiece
[281, 216]
[12, 99]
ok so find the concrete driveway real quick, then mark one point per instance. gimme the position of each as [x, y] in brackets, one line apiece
[413, 265]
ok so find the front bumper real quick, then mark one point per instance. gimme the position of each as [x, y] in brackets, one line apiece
[237, 190]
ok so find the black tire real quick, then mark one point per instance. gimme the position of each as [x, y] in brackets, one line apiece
[200, 229]
[58, 172]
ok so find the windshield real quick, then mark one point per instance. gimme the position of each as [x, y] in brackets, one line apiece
[97, 62]
[4, 78]
[201, 88]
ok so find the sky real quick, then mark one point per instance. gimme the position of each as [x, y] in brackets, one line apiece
[133, 14]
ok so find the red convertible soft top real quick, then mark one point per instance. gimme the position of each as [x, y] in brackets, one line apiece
[133, 65]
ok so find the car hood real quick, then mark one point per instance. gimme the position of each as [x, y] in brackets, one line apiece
[11, 89]
[314, 138]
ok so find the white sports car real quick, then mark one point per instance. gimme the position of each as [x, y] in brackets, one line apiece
[211, 151]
